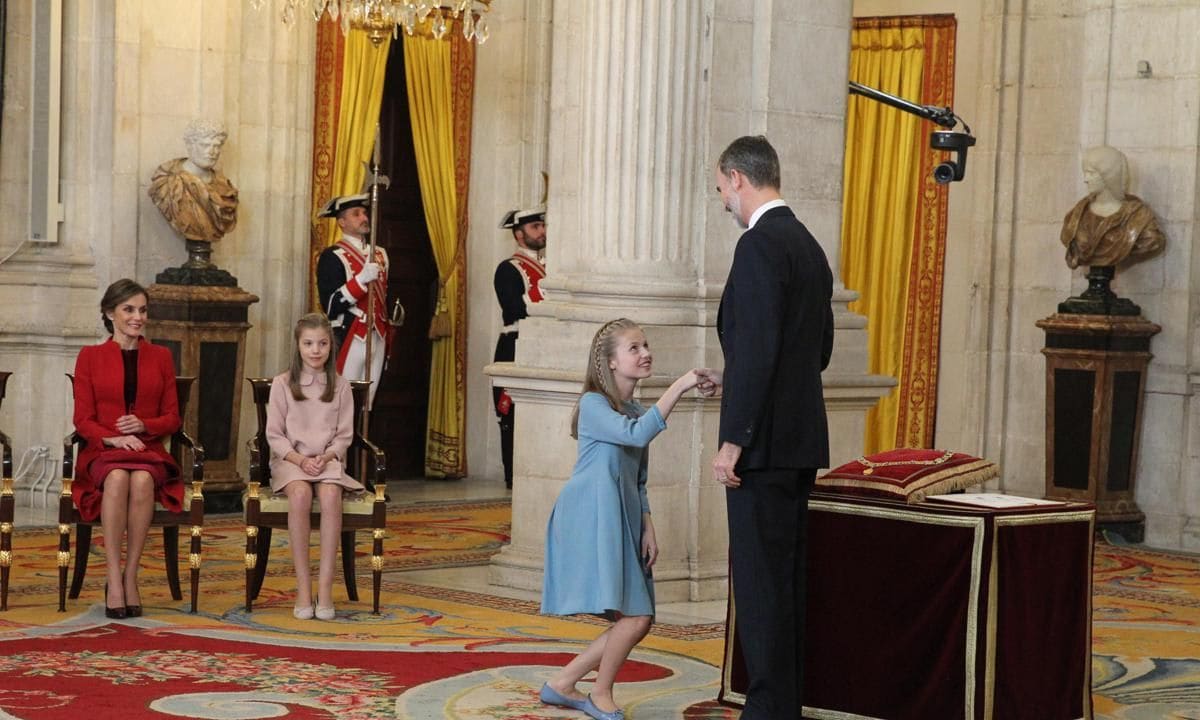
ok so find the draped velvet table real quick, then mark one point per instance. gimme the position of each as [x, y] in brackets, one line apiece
[936, 611]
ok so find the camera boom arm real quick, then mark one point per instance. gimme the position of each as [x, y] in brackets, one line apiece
[942, 116]
[938, 139]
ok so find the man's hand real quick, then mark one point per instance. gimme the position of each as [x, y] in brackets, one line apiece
[368, 274]
[710, 381]
[724, 463]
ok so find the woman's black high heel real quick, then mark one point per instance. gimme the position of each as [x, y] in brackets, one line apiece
[133, 610]
[117, 613]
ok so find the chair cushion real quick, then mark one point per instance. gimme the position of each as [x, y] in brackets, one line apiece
[908, 474]
[362, 503]
[187, 501]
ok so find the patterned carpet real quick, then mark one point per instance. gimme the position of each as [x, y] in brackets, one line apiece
[436, 653]
[432, 653]
[1145, 634]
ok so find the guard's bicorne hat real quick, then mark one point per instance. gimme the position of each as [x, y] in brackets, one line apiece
[517, 218]
[337, 205]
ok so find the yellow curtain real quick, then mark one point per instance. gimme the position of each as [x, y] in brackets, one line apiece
[363, 70]
[879, 210]
[431, 100]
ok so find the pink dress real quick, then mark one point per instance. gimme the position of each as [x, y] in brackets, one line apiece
[310, 427]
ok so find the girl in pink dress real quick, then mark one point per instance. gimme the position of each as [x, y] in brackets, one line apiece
[310, 423]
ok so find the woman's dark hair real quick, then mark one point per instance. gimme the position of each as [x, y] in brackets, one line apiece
[117, 293]
[313, 321]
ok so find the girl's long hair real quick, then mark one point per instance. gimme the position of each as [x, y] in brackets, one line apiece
[313, 321]
[599, 377]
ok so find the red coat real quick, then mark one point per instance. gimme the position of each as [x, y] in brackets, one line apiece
[100, 399]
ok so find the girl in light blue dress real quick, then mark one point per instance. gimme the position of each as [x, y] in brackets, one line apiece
[600, 544]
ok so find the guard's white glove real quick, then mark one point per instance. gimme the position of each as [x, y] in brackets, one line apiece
[368, 274]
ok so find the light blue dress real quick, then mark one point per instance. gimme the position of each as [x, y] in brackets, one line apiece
[594, 538]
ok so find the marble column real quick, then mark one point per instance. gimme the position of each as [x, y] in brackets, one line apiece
[643, 97]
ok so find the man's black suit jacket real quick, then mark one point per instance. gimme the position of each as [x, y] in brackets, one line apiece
[775, 324]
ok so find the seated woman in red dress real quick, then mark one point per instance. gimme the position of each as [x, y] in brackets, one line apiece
[125, 404]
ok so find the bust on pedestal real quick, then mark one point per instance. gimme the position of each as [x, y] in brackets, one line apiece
[1097, 350]
[1104, 229]
[199, 202]
[200, 313]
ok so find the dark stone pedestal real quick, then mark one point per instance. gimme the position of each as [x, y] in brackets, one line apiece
[205, 329]
[198, 270]
[1095, 382]
[1099, 299]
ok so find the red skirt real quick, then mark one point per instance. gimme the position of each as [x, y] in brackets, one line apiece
[88, 488]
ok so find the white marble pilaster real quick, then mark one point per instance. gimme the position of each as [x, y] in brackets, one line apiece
[641, 103]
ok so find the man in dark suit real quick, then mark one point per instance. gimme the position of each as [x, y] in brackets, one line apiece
[775, 324]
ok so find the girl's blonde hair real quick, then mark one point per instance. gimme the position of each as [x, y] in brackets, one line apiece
[313, 321]
[599, 377]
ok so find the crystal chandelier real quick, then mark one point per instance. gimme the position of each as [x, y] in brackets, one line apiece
[381, 18]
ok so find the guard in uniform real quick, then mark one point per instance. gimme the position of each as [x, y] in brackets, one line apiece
[516, 283]
[345, 276]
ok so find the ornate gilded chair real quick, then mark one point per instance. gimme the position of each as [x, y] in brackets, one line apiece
[266, 511]
[6, 505]
[193, 512]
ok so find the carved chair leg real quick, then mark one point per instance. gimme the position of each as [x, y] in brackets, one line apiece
[83, 548]
[260, 565]
[6, 531]
[64, 559]
[376, 568]
[194, 564]
[348, 565]
[251, 560]
[171, 553]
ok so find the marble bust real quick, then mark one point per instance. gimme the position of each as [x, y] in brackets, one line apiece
[1104, 229]
[1109, 226]
[195, 198]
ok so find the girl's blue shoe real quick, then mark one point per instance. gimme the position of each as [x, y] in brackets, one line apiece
[550, 696]
[590, 708]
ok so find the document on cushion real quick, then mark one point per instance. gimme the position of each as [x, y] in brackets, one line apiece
[992, 500]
